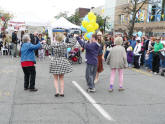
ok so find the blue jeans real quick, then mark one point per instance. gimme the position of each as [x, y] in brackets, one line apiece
[149, 61]
[90, 75]
[162, 63]
[106, 55]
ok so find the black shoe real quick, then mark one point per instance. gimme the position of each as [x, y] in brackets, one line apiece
[26, 88]
[162, 74]
[56, 95]
[33, 90]
[62, 95]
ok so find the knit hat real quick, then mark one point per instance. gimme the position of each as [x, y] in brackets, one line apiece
[99, 33]
[129, 48]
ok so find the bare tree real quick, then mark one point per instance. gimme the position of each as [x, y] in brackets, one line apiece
[62, 14]
[75, 18]
[132, 9]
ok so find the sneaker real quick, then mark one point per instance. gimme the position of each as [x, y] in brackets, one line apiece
[91, 90]
[121, 89]
[110, 90]
[95, 81]
[155, 73]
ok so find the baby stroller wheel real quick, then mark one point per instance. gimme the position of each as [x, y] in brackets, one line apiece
[80, 60]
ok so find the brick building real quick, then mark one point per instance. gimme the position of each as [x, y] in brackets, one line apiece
[82, 11]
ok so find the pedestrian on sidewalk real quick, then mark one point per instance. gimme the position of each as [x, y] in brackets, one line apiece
[117, 60]
[150, 50]
[35, 40]
[100, 56]
[92, 50]
[41, 51]
[109, 43]
[59, 64]
[28, 61]
[129, 56]
[14, 44]
[137, 53]
[158, 46]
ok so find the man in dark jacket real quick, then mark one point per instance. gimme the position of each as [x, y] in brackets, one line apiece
[14, 44]
[35, 40]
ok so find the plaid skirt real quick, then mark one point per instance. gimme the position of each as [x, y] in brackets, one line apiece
[60, 65]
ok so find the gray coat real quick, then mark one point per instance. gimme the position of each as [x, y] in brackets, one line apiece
[117, 58]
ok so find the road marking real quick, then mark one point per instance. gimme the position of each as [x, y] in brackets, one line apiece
[6, 71]
[7, 93]
[93, 102]
[142, 72]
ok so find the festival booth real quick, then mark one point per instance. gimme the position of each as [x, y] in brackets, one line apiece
[61, 25]
[16, 25]
[36, 27]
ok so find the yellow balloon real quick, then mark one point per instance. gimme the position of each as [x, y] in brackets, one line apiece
[90, 28]
[84, 24]
[91, 16]
[92, 22]
[96, 26]
[85, 36]
[94, 18]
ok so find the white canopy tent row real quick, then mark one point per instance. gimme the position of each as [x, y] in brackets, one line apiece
[51, 26]
[61, 23]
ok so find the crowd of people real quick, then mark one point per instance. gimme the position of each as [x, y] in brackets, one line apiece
[118, 51]
[12, 43]
[142, 52]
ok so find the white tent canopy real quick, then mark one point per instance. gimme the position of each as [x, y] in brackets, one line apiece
[60, 23]
[63, 23]
[37, 24]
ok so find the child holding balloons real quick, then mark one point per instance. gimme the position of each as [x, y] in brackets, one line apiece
[92, 50]
[89, 26]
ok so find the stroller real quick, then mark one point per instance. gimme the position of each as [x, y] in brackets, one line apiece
[75, 56]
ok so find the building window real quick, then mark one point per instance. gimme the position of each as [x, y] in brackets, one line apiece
[140, 16]
[122, 19]
[156, 11]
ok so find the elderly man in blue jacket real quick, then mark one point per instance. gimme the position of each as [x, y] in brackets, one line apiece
[28, 61]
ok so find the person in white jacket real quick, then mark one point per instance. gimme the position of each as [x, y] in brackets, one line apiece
[137, 54]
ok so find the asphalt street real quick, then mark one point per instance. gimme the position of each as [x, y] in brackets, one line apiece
[143, 101]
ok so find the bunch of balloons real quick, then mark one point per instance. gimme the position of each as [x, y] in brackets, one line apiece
[89, 25]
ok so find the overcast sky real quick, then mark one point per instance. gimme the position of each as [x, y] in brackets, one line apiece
[44, 10]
